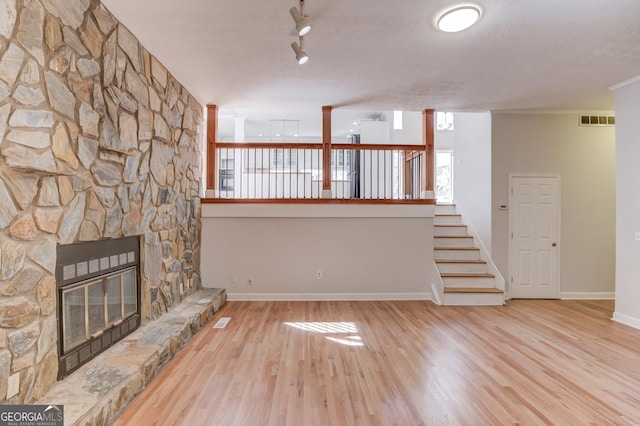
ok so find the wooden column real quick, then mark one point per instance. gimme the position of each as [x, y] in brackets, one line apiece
[212, 135]
[427, 137]
[326, 148]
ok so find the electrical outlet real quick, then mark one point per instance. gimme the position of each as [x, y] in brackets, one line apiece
[319, 275]
[13, 386]
[234, 278]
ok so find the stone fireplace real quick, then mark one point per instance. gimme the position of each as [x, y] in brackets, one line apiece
[98, 142]
[98, 294]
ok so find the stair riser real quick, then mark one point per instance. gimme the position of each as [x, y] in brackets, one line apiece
[457, 254]
[475, 282]
[450, 231]
[469, 299]
[463, 268]
[447, 220]
[453, 242]
[445, 209]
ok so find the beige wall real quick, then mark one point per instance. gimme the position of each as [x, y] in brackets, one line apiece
[364, 252]
[584, 157]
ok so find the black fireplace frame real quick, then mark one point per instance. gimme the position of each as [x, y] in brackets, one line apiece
[68, 257]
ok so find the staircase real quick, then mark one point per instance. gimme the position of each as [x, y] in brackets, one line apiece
[461, 263]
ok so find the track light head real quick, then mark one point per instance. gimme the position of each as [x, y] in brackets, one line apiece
[303, 26]
[301, 55]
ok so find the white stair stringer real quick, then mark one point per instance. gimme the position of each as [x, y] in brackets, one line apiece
[468, 274]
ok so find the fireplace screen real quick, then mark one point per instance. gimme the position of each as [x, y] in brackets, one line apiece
[91, 307]
[98, 298]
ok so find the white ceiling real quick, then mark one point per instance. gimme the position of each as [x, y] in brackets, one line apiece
[386, 55]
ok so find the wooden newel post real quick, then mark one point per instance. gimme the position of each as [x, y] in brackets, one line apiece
[428, 183]
[212, 135]
[326, 151]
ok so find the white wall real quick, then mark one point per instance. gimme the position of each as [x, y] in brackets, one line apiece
[411, 133]
[627, 100]
[364, 252]
[376, 132]
[584, 157]
[443, 139]
[472, 171]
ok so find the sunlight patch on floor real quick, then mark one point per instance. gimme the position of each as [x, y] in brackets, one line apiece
[332, 328]
[325, 327]
[347, 341]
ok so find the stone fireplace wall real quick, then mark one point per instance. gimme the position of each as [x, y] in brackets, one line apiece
[97, 140]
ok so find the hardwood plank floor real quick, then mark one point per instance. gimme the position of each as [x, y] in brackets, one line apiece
[401, 363]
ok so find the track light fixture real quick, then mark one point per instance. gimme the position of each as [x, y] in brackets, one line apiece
[302, 27]
[301, 55]
[302, 22]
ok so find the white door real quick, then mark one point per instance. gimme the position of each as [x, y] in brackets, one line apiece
[534, 226]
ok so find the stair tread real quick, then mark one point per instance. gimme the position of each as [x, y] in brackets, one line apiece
[466, 275]
[461, 261]
[472, 290]
[456, 248]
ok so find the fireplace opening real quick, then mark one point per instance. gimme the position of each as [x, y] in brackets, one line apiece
[98, 293]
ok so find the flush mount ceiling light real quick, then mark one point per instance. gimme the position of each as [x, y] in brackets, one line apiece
[301, 55]
[458, 18]
[302, 22]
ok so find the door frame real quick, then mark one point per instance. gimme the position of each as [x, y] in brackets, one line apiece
[511, 257]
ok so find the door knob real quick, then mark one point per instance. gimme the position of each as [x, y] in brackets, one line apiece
[553, 244]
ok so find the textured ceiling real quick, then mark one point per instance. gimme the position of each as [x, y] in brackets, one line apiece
[385, 55]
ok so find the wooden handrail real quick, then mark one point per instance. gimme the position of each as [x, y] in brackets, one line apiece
[312, 145]
[269, 145]
[378, 147]
[388, 201]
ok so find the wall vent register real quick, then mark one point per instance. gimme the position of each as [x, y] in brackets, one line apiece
[98, 296]
[597, 120]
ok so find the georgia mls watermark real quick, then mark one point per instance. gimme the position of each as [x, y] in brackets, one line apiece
[31, 415]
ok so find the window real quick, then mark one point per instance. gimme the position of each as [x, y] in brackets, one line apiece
[226, 174]
[444, 176]
[397, 120]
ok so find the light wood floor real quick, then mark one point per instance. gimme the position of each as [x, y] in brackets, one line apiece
[401, 363]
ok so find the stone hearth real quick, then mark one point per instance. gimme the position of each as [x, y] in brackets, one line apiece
[97, 141]
[99, 391]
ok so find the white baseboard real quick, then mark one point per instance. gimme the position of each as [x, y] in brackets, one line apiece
[242, 297]
[626, 320]
[588, 296]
